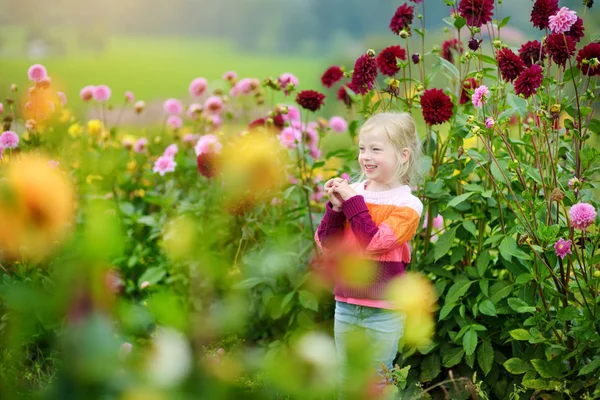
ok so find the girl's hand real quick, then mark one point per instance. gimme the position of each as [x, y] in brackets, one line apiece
[335, 199]
[344, 190]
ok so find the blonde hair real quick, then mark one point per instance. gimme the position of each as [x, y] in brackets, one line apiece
[402, 133]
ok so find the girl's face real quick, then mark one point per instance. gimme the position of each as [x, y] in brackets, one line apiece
[377, 156]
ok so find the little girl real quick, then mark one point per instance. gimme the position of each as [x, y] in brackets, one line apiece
[375, 218]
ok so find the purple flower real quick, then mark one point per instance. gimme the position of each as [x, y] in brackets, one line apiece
[9, 140]
[562, 247]
[582, 215]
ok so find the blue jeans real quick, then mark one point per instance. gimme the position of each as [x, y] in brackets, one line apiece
[380, 330]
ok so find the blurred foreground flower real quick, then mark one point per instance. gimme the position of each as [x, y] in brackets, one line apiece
[36, 206]
[171, 358]
[413, 295]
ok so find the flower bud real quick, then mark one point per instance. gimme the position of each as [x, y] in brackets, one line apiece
[404, 34]
[557, 195]
[371, 53]
[13, 88]
[470, 119]
[497, 43]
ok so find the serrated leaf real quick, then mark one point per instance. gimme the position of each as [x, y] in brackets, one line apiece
[470, 342]
[308, 300]
[517, 366]
[443, 245]
[485, 356]
[486, 307]
[546, 369]
[537, 384]
[500, 290]
[458, 290]
[446, 310]
[520, 334]
[452, 357]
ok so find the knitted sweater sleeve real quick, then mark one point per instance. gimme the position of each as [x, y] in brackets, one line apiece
[398, 228]
[330, 228]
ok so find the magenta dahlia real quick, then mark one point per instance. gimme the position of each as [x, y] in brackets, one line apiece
[436, 106]
[532, 52]
[387, 60]
[529, 81]
[509, 63]
[402, 18]
[332, 76]
[560, 48]
[365, 73]
[541, 12]
[588, 59]
[476, 12]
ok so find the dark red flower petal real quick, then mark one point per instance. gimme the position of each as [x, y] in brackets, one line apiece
[436, 106]
[529, 81]
[387, 60]
[509, 63]
[310, 99]
[332, 76]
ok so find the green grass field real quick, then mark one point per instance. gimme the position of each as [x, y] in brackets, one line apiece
[151, 67]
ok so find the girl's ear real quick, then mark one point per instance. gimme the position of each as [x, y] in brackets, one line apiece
[405, 155]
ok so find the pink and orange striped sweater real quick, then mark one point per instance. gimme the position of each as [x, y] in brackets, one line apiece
[377, 225]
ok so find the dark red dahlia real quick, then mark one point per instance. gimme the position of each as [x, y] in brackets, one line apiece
[402, 18]
[436, 106]
[207, 164]
[509, 63]
[468, 85]
[576, 31]
[529, 81]
[474, 44]
[257, 122]
[365, 73]
[279, 121]
[448, 46]
[310, 99]
[532, 52]
[344, 97]
[542, 10]
[332, 76]
[560, 48]
[416, 57]
[588, 59]
[386, 60]
[476, 12]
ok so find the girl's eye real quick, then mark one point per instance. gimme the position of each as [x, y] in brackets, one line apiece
[376, 149]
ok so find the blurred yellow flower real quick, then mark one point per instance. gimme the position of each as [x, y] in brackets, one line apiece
[90, 178]
[36, 207]
[139, 193]
[95, 127]
[75, 130]
[131, 166]
[65, 115]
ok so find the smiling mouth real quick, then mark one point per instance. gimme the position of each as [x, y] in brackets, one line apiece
[370, 167]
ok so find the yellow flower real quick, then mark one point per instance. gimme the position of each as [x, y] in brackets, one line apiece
[90, 178]
[75, 130]
[94, 127]
[139, 193]
[131, 165]
[470, 143]
[36, 207]
[65, 115]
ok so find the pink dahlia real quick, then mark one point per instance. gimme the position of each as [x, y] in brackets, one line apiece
[560, 48]
[338, 124]
[365, 73]
[198, 87]
[288, 82]
[476, 12]
[480, 95]
[171, 150]
[213, 105]
[387, 60]
[529, 81]
[37, 73]
[293, 114]
[562, 21]
[173, 107]
[9, 140]
[489, 122]
[332, 76]
[174, 121]
[1, 108]
[140, 145]
[582, 215]
[541, 12]
[562, 247]
[101, 93]
[230, 76]
[436, 106]
[532, 52]
[402, 19]
[164, 164]
[189, 138]
[87, 93]
[62, 97]
[509, 63]
[289, 137]
[588, 59]
[208, 144]
[129, 97]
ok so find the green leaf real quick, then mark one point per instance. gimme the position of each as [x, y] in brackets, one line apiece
[470, 227]
[430, 367]
[504, 22]
[457, 290]
[537, 384]
[546, 369]
[443, 245]
[524, 278]
[486, 307]
[452, 357]
[470, 341]
[147, 220]
[591, 367]
[450, 67]
[249, 283]
[127, 208]
[485, 356]
[308, 300]
[517, 366]
[446, 310]
[483, 260]
[459, 199]
[594, 125]
[520, 306]
[459, 22]
[500, 290]
[152, 275]
[520, 334]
